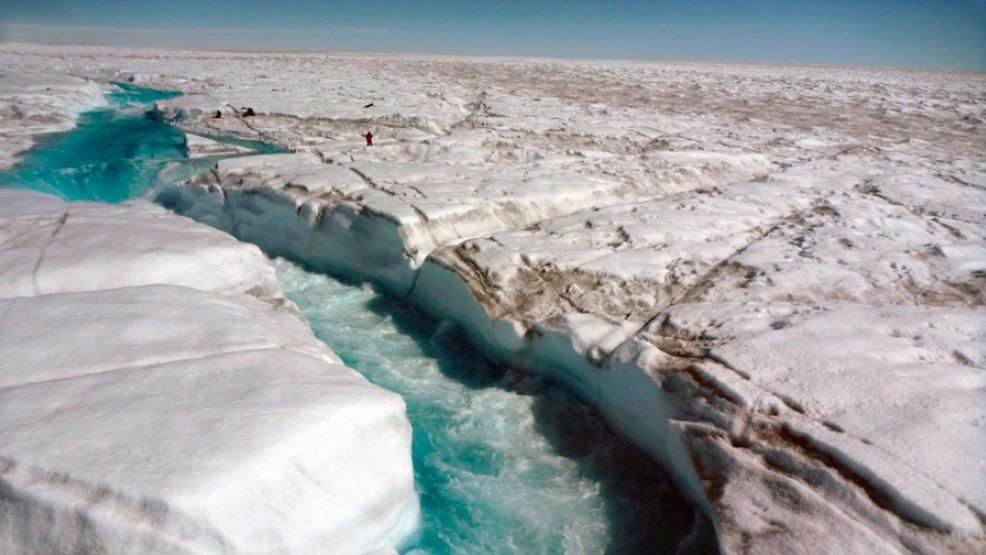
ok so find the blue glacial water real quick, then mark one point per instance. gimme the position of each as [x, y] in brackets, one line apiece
[504, 462]
[113, 154]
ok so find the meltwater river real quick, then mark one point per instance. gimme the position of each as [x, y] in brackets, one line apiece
[504, 463]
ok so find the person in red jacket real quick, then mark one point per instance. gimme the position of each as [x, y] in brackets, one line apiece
[369, 138]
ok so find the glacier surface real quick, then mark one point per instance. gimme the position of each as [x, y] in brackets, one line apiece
[771, 278]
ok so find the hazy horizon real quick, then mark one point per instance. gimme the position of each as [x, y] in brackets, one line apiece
[881, 33]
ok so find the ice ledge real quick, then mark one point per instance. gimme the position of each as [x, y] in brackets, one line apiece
[660, 392]
[157, 394]
[44, 103]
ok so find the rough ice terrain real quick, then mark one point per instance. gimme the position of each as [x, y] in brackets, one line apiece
[31, 104]
[769, 277]
[158, 394]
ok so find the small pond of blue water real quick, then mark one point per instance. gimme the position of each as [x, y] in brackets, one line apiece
[112, 155]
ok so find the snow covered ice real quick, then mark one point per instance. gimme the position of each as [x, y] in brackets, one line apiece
[199, 147]
[147, 366]
[31, 104]
[770, 278]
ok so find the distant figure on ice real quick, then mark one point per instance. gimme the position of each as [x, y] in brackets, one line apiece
[369, 138]
[218, 115]
[249, 112]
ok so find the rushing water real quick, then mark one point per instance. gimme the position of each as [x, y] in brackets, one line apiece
[504, 462]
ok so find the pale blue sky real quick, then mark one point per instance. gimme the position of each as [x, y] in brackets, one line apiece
[942, 34]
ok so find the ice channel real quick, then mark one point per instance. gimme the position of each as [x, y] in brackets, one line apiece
[504, 462]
